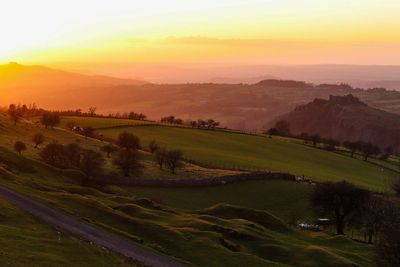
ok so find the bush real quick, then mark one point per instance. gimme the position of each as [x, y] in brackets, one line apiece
[19, 147]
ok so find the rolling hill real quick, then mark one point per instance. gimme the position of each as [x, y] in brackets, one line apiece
[53, 88]
[230, 149]
[240, 231]
[241, 106]
[346, 118]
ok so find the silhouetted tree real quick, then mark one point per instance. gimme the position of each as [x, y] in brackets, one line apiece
[352, 146]
[153, 146]
[15, 113]
[91, 164]
[109, 149]
[128, 141]
[128, 160]
[338, 200]
[92, 111]
[19, 147]
[73, 154]
[272, 131]
[331, 144]
[38, 139]
[371, 216]
[50, 119]
[54, 154]
[316, 139]
[368, 149]
[160, 156]
[388, 247]
[193, 124]
[173, 159]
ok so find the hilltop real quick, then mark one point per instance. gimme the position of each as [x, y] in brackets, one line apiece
[345, 118]
[240, 106]
[53, 88]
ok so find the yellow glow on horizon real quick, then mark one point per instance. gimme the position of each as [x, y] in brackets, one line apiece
[138, 31]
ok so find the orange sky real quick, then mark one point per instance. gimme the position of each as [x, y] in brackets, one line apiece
[227, 32]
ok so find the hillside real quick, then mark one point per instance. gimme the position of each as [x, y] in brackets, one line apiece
[53, 88]
[240, 106]
[229, 149]
[253, 233]
[346, 119]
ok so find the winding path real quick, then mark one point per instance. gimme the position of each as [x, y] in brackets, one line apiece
[88, 232]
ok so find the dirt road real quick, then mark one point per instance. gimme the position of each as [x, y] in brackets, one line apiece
[88, 232]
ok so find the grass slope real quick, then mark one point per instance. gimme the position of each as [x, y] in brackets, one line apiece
[226, 149]
[25, 241]
[221, 235]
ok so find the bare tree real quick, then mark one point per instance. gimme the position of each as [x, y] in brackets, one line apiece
[153, 146]
[160, 156]
[174, 159]
[128, 161]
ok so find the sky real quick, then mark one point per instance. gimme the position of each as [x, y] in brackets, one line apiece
[218, 31]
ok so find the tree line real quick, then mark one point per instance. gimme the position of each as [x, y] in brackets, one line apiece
[366, 149]
[200, 123]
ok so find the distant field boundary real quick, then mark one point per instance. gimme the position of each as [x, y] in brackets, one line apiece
[212, 181]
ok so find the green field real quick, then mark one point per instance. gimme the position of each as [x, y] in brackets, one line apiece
[180, 222]
[270, 196]
[232, 150]
[25, 241]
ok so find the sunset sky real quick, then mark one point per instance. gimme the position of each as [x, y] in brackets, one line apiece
[223, 31]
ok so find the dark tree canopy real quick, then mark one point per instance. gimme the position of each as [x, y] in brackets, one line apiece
[128, 161]
[128, 141]
[173, 159]
[55, 154]
[272, 131]
[50, 119]
[352, 146]
[15, 112]
[153, 146]
[368, 149]
[19, 147]
[339, 201]
[91, 163]
[160, 156]
[388, 247]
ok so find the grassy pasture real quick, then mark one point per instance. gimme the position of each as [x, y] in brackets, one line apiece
[24, 241]
[225, 149]
[181, 223]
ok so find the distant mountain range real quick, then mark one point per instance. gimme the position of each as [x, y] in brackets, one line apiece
[241, 106]
[363, 76]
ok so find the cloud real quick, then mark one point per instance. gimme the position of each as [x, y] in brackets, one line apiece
[199, 40]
